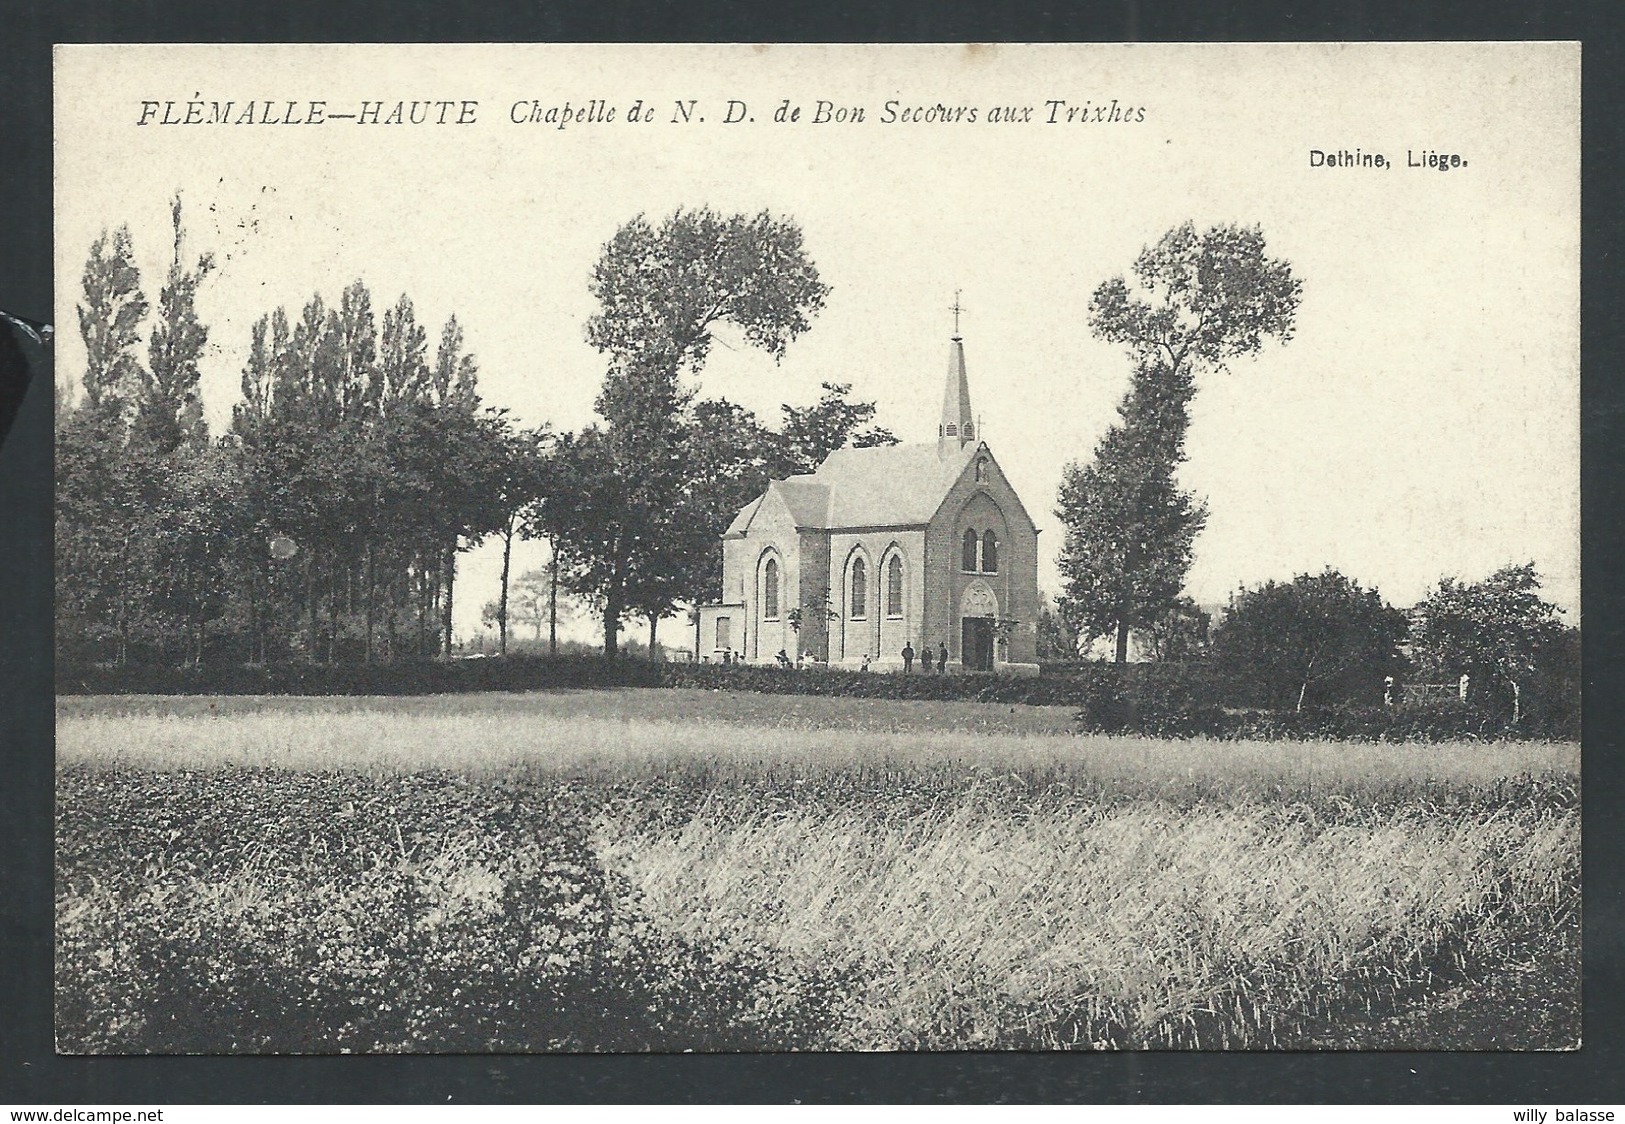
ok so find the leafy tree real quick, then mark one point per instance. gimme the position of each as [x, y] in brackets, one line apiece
[474, 492]
[402, 373]
[535, 600]
[1320, 638]
[728, 456]
[110, 322]
[455, 373]
[99, 492]
[195, 526]
[592, 524]
[614, 548]
[521, 477]
[99, 534]
[169, 411]
[1180, 632]
[1492, 630]
[1129, 528]
[1056, 640]
[145, 508]
[380, 467]
[1199, 301]
[1203, 300]
[662, 291]
[645, 443]
[808, 434]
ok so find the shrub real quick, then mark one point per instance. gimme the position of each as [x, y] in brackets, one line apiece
[1321, 639]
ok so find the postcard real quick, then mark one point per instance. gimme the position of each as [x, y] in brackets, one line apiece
[623, 548]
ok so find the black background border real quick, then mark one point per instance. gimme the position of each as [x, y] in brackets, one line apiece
[30, 1073]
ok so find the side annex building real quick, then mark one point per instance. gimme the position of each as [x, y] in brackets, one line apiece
[920, 545]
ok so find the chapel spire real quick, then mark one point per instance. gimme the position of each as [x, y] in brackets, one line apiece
[957, 429]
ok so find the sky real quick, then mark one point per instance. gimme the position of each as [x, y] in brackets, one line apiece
[1423, 420]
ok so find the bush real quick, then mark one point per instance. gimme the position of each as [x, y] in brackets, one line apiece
[1321, 639]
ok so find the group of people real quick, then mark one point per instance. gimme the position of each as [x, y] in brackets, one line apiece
[925, 658]
[926, 662]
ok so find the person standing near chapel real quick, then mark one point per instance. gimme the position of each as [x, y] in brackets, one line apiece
[942, 659]
[925, 659]
[908, 657]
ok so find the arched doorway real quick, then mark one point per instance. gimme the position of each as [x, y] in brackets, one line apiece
[978, 609]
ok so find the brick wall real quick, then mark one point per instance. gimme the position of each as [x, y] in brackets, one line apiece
[980, 506]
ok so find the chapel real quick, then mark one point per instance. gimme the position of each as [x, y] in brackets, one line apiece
[924, 546]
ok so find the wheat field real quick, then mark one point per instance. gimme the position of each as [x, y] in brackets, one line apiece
[829, 873]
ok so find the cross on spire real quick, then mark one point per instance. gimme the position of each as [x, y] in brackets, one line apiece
[956, 309]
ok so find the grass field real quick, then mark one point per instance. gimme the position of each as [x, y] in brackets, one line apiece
[684, 869]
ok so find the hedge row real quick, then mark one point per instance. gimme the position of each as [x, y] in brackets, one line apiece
[1410, 723]
[401, 678]
[1080, 685]
[1166, 700]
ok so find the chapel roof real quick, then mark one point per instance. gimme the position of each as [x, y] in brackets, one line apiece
[882, 486]
[806, 497]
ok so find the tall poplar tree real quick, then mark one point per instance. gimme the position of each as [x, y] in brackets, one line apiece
[1198, 302]
[110, 321]
[170, 411]
[98, 506]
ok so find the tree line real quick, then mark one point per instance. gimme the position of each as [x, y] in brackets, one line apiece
[326, 523]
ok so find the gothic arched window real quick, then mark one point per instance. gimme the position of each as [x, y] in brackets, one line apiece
[990, 554]
[967, 555]
[860, 590]
[894, 587]
[770, 589]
